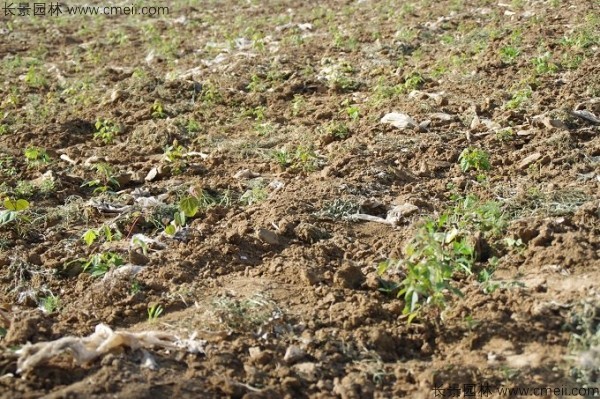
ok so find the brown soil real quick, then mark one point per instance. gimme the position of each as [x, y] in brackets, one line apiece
[287, 296]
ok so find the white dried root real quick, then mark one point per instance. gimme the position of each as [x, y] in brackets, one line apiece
[102, 341]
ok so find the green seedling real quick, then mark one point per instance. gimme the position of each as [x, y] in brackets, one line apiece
[257, 193]
[154, 312]
[298, 105]
[34, 78]
[99, 264]
[542, 64]
[337, 131]
[174, 154]
[14, 212]
[104, 181]
[441, 251]
[50, 303]
[36, 156]
[91, 235]
[474, 158]
[106, 131]
[509, 54]
[157, 110]
[519, 98]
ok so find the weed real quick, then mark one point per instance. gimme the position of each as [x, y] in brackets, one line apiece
[157, 110]
[100, 264]
[15, 212]
[344, 83]
[413, 81]
[258, 113]
[34, 78]
[559, 202]
[509, 54]
[210, 93]
[50, 303]
[192, 126]
[136, 287]
[505, 135]
[298, 105]
[339, 209]
[246, 314]
[91, 235]
[36, 156]
[336, 131]
[106, 131]
[441, 250]
[256, 84]
[257, 193]
[104, 180]
[542, 64]
[584, 325]
[474, 158]
[154, 312]
[519, 98]
[174, 154]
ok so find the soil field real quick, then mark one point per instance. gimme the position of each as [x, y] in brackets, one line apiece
[246, 199]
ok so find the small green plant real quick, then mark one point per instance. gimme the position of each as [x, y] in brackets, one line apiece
[509, 54]
[442, 250]
[337, 131]
[431, 259]
[353, 112]
[542, 64]
[210, 93]
[255, 194]
[174, 154]
[106, 131]
[339, 209]
[258, 113]
[298, 105]
[519, 98]
[15, 212]
[91, 235]
[282, 157]
[136, 287]
[50, 303]
[256, 84]
[36, 156]
[99, 264]
[157, 110]
[474, 158]
[105, 179]
[506, 135]
[413, 81]
[34, 78]
[154, 312]
[192, 126]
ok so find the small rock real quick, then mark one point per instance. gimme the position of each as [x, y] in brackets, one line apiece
[269, 237]
[123, 179]
[475, 122]
[293, 354]
[399, 212]
[138, 258]
[307, 370]
[92, 160]
[245, 174]
[152, 174]
[586, 115]
[309, 233]
[260, 357]
[399, 120]
[524, 164]
[348, 276]
[309, 277]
